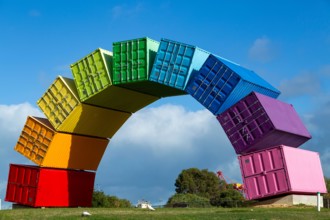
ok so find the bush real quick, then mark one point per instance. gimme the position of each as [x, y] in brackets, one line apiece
[228, 198]
[188, 200]
[100, 199]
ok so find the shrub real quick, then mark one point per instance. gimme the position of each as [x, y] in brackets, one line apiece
[100, 199]
[188, 200]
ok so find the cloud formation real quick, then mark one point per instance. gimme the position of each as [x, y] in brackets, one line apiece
[147, 154]
[262, 50]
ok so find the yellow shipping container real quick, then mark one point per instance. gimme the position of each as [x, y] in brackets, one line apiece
[66, 113]
[40, 143]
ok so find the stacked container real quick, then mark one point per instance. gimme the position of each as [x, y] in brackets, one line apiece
[281, 170]
[258, 122]
[132, 64]
[83, 113]
[220, 83]
[46, 147]
[174, 64]
[48, 187]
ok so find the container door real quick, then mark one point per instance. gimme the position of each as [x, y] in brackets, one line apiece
[92, 73]
[22, 183]
[130, 61]
[212, 84]
[34, 140]
[172, 64]
[264, 173]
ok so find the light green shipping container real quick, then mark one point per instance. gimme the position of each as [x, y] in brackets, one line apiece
[132, 64]
[92, 77]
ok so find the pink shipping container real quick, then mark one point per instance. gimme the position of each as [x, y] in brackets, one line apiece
[49, 187]
[281, 170]
[258, 122]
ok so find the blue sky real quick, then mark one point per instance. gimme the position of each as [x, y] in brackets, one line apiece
[286, 43]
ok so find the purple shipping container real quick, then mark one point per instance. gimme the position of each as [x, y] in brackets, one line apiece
[281, 170]
[258, 122]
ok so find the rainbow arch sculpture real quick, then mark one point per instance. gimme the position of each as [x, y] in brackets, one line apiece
[83, 113]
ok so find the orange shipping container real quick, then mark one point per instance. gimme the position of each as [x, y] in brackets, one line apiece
[40, 143]
[66, 113]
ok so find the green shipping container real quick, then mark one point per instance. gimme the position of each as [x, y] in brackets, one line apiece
[132, 63]
[92, 77]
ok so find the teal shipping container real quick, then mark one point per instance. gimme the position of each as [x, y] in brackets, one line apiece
[175, 62]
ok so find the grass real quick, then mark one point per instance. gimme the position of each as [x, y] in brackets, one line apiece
[299, 213]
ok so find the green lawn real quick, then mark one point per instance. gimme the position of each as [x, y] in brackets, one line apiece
[299, 213]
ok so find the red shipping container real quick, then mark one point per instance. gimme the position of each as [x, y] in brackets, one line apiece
[258, 122]
[49, 187]
[281, 170]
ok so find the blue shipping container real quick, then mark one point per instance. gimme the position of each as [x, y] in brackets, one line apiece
[175, 62]
[219, 84]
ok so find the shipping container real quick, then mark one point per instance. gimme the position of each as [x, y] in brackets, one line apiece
[281, 170]
[46, 147]
[48, 187]
[220, 83]
[92, 77]
[175, 62]
[133, 62]
[61, 105]
[258, 122]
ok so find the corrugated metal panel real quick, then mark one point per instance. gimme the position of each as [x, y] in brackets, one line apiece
[175, 62]
[92, 76]
[258, 122]
[92, 73]
[45, 187]
[219, 84]
[133, 59]
[281, 170]
[40, 143]
[64, 111]
[305, 170]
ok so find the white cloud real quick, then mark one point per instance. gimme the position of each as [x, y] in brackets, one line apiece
[262, 50]
[167, 128]
[124, 10]
[13, 117]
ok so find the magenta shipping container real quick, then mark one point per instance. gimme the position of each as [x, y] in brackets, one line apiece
[281, 170]
[258, 122]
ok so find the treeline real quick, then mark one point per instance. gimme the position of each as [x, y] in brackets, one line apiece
[100, 199]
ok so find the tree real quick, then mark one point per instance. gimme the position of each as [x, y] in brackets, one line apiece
[100, 199]
[199, 182]
[327, 184]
